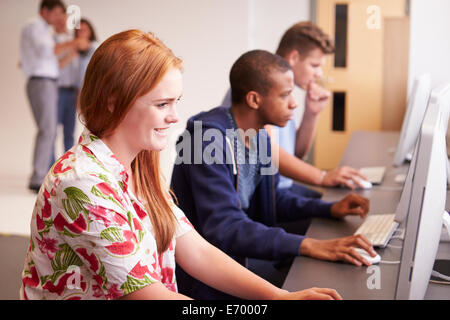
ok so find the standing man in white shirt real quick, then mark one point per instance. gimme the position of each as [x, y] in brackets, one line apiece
[40, 64]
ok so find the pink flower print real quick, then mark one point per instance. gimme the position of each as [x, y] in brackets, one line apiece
[141, 213]
[98, 279]
[107, 190]
[98, 292]
[167, 275]
[171, 286]
[62, 284]
[139, 271]
[137, 224]
[113, 292]
[126, 247]
[39, 223]
[48, 246]
[185, 220]
[63, 164]
[47, 209]
[86, 150]
[91, 258]
[33, 281]
[55, 185]
[78, 226]
[106, 215]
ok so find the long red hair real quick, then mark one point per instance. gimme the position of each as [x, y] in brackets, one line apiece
[123, 68]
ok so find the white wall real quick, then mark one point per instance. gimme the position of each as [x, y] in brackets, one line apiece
[208, 35]
[269, 19]
[430, 40]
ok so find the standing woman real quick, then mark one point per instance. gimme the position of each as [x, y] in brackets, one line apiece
[104, 226]
[87, 33]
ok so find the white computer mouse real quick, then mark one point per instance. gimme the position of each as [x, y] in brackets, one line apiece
[361, 183]
[367, 256]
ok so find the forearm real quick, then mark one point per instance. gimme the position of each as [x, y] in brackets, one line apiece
[155, 291]
[61, 47]
[227, 275]
[292, 167]
[305, 134]
[67, 59]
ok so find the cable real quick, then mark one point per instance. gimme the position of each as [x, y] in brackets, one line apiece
[389, 262]
[445, 279]
[395, 247]
[440, 275]
[387, 188]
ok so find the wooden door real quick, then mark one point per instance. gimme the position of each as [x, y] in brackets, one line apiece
[354, 74]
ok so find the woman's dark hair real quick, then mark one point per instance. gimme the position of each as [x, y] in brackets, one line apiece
[93, 36]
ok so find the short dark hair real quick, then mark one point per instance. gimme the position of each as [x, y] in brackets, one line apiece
[51, 4]
[252, 72]
[304, 37]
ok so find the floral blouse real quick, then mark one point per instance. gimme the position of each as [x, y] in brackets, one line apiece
[90, 236]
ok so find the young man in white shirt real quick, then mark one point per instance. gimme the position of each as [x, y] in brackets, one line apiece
[38, 59]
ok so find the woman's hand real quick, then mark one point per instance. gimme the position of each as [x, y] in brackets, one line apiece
[311, 294]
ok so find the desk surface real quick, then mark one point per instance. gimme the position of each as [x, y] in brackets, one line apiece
[366, 148]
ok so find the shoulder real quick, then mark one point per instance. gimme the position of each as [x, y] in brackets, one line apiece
[83, 179]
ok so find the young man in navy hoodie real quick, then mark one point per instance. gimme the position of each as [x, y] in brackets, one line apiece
[226, 184]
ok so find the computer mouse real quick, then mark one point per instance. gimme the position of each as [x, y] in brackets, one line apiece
[363, 184]
[367, 256]
[400, 178]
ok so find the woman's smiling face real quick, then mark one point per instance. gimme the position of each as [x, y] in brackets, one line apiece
[147, 122]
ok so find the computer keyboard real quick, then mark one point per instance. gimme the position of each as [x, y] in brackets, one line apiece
[378, 229]
[374, 174]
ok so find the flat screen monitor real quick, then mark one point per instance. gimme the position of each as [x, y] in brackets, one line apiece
[427, 198]
[415, 111]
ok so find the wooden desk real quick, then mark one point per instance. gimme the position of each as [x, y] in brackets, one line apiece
[365, 148]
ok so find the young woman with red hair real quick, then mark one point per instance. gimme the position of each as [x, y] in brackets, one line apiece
[104, 226]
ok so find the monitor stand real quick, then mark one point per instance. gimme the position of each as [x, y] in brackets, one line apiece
[441, 266]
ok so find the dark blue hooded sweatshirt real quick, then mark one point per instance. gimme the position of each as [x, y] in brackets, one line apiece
[208, 195]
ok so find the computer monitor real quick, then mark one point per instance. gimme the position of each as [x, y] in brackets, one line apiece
[426, 200]
[415, 111]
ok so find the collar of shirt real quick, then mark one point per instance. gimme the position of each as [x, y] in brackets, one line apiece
[44, 23]
[105, 156]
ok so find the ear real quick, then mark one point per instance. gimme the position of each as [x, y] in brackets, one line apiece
[293, 57]
[111, 102]
[253, 99]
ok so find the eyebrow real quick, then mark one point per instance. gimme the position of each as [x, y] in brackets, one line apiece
[167, 99]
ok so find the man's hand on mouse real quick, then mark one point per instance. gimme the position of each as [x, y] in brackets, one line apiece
[352, 204]
[343, 176]
[341, 249]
